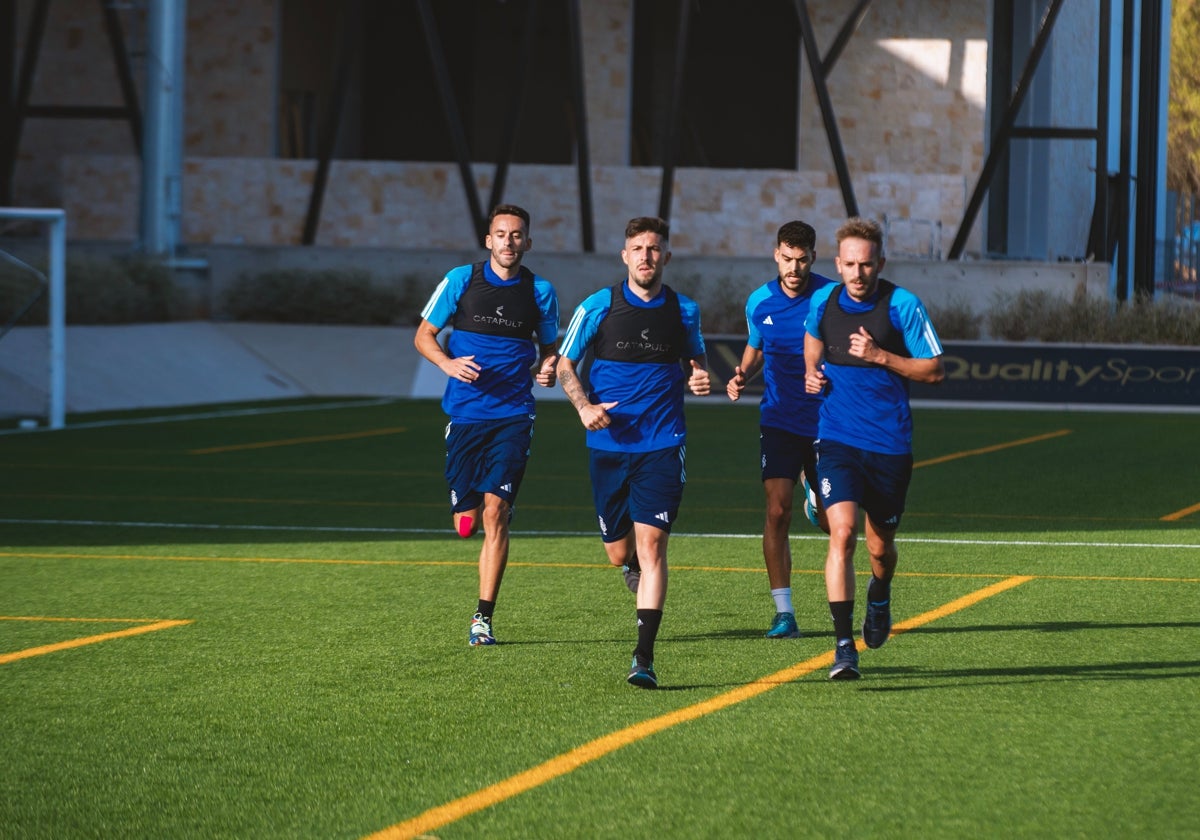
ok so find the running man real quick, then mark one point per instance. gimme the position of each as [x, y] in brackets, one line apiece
[641, 333]
[866, 340]
[495, 308]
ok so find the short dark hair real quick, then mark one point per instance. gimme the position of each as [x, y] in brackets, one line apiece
[509, 210]
[797, 234]
[647, 224]
[856, 227]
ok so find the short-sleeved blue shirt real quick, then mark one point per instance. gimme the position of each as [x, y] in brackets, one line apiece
[775, 323]
[505, 385]
[649, 414]
[868, 407]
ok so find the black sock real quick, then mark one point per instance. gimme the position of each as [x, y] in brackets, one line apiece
[633, 564]
[486, 608]
[878, 591]
[843, 620]
[648, 622]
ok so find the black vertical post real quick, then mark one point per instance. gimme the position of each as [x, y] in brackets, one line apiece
[351, 29]
[508, 145]
[579, 108]
[458, 134]
[33, 45]
[674, 112]
[8, 106]
[1103, 68]
[1124, 179]
[1145, 226]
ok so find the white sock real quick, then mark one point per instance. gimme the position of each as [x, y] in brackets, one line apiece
[783, 599]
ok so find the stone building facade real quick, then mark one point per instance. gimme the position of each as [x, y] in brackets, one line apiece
[910, 94]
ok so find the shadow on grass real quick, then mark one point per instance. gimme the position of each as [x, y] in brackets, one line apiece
[932, 678]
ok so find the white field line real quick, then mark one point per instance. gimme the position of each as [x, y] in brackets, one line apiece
[335, 529]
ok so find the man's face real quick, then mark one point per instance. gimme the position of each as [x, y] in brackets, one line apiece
[645, 255]
[859, 263]
[794, 265]
[508, 240]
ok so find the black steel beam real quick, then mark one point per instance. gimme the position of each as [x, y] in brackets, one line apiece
[1101, 246]
[116, 40]
[8, 105]
[1042, 132]
[579, 108]
[813, 55]
[33, 46]
[327, 142]
[77, 112]
[458, 134]
[508, 142]
[853, 21]
[1124, 172]
[1000, 140]
[674, 112]
[1145, 222]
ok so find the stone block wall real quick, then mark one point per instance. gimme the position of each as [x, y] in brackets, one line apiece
[909, 94]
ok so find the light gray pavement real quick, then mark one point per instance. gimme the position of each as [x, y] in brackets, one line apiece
[196, 362]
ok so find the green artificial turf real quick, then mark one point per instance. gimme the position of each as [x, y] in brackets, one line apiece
[321, 685]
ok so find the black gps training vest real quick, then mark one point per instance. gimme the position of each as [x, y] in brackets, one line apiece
[510, 311]
[629, 333]
[837, 325]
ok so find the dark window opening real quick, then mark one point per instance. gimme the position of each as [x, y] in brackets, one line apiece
[393, 110]
[740, 90]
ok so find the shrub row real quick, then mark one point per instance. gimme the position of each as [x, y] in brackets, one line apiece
[134, 290]
[118, 291]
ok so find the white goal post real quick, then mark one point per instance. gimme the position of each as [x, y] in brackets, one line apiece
[57, 220]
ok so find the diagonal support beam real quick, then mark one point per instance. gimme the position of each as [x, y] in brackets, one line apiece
[817, 69]
[458, 134]
[1004, 132]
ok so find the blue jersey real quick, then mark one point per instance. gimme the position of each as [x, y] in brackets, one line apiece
[776, 326]
[649, 414]
[867, 406]
[505, 385]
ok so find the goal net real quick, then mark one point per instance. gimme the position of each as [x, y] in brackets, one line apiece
[33, 317]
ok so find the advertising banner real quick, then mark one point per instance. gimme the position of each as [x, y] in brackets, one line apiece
[1115, 376]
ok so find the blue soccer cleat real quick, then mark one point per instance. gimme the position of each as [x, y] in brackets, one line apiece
[877, 626]
[642, 676]
[784, 627]
[845, 662]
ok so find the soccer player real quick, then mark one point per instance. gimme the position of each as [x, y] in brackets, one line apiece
[775, 315]
[641, 334]
[866, 339]
[495, 308]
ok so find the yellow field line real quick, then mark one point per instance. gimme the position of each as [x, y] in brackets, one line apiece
[267, 444]
[77, 619]
[1180, 514]
[569, 761]
[5, 658]
[941, 459]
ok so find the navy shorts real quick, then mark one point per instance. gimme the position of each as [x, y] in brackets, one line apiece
[630, 487]
[785, 454]
[875, 481]
[486, 457]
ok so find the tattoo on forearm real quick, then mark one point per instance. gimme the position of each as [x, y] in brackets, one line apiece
[572, 387]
